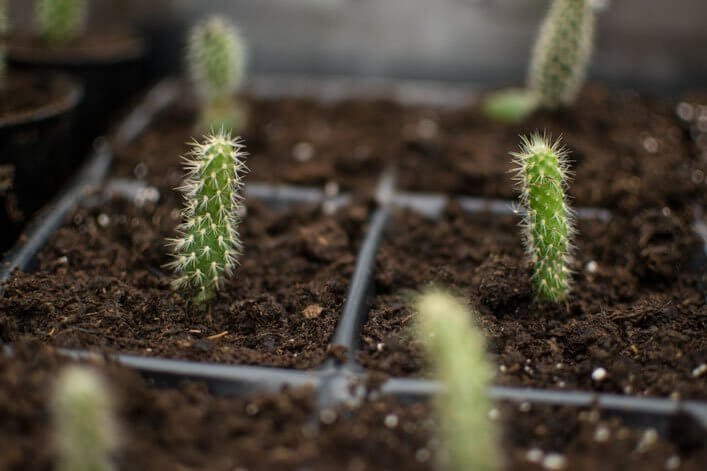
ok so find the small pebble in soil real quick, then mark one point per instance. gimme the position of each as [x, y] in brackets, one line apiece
[391, 421]
[554, 461]
[423, 455]
[327, 416]
[140, 171]
[602, 434]
[252, 409]
[650, 144]
[673, 462]
[599, 374]
[698, 176]
[534, 455]
[525, 407]
[380, 346]
[494, 414]
[303, 151]
[699, 371]
[146, 195]
[591, 266]
[685, 111]
[502, 368]
[666, 211]
[312, 311]
[103, 220]
[427, 129]
[331, 189]
[648, 439]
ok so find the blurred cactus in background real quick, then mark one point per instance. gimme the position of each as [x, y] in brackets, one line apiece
[558, 66]
[208, 244]
[469, 440]
[548, 223]
[85, 428]
[60, 21]
[562, 52]
[216, 57]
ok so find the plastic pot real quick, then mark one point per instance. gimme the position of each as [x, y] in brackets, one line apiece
[35, 152]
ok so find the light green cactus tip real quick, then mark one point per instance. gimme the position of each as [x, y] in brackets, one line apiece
[60, 21]
[216, 56]
[469, 438]
[510, 106]
[85, 427]
[208, 244]
[548, 222]
[562, 52]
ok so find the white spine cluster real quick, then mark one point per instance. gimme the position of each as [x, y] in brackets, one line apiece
[208, 245]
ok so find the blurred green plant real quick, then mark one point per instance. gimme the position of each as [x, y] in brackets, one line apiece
[469, 439]
[60, 21]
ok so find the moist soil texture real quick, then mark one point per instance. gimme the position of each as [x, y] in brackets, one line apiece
[188, 428]
[100, 284]
[90, 47]
[23, 94]
[627, 151]
[342, 146]
[634, 322]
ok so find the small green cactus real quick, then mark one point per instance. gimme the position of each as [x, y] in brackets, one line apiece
[562, 52]
[469, 439]
[60, 21]
[510, 106]
[208, 244]
[548, 223]
[216, 57]
[85, 428]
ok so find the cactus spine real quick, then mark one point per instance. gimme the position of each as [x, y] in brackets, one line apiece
[84, 422]
[548, 223]
[208, 243]
[457, 352]
[562, 52]
[216, 57]
[60, 21]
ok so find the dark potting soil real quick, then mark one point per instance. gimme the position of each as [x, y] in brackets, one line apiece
[187, 428]
[636, 309]
[628, 151]
[294, 141]
[91, 47]
[23, 95]
[100, 285]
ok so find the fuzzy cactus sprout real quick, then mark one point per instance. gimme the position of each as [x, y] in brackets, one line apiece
[216, 57]
[85, 427]
[562, 52]
[548, 222]
[60, 21]
[208, 244]
[456, 349]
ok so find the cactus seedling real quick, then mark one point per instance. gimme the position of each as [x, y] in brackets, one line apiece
[84, 422]
[548, 225]
[562, 52]
[60, 21]
[558, 66]
[458, 354]
[208, 242]
[216, 57]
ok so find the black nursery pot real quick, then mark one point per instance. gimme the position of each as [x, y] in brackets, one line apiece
[110, 65]
[35, 149]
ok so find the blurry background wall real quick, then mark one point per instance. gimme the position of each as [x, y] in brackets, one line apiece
[653, 44]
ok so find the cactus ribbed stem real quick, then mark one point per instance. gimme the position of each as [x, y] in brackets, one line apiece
[548, 223]
[208, 245]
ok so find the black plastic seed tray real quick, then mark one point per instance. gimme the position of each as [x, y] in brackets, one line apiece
[335, 383]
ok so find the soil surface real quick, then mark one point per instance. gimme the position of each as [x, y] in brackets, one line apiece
[295, 141]
[100, 284]
[91, 47]
[628, 151]
[24, 94]
[187, 428]
[637, 308]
